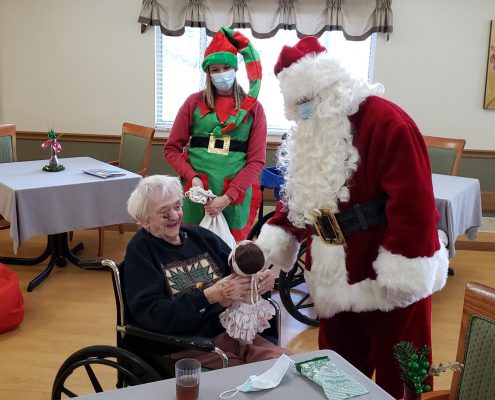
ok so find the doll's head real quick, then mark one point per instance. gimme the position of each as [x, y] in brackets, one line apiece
[247, 258]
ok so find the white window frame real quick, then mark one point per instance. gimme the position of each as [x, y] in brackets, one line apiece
[163, 124]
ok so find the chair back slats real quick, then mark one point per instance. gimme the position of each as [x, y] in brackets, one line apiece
[476, 345]
[445, 154]
[8, 152]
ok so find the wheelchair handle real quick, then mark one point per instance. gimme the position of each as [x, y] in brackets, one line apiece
[97, 263]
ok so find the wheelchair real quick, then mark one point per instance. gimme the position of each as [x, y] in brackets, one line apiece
[95, 369]
[291, 285]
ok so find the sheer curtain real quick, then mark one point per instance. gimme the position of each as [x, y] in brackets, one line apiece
[357, 19]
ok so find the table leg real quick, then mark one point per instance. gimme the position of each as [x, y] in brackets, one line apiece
[60, 253]
[29, 261]
[57, 248]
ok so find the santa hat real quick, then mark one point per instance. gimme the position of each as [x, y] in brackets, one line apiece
[307, 46]
[223, 50]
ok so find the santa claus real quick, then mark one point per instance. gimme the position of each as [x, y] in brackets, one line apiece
[358, 188]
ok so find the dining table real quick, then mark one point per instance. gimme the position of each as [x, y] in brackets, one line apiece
[293, 386]
[458, 201]
[37, 202]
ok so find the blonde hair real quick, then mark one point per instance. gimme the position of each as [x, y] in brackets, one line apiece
[210, 92]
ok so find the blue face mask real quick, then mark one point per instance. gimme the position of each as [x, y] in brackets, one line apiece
[267, 380]
[306, 109]
[223, 81]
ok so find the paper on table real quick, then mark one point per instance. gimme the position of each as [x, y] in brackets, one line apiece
[336, 384]
[103, 173]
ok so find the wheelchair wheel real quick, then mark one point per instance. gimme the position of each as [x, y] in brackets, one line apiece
[95, 369]
[256, 229]
[294, 292]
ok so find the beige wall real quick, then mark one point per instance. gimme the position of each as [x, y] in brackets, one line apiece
[75, 65]
[83, 66]
[434, 66]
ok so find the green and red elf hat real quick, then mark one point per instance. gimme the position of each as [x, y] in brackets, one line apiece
[223, 49]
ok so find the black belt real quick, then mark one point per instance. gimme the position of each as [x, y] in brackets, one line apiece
[334, 228]
[219, 143]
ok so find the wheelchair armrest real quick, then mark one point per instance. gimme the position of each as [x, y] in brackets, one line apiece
[189, 341]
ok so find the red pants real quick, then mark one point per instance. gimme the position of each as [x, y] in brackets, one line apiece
[367, 339]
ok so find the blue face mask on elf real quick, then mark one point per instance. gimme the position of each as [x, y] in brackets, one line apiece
[306, 109]
[267, 380]
[223, 81]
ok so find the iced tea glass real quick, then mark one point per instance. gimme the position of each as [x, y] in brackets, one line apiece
[187, 379]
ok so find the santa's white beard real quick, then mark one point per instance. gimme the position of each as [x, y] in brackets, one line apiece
[317, 158]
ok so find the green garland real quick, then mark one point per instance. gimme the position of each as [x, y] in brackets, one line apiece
[415, 367]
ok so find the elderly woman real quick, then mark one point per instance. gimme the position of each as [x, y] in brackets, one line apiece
[177, 278]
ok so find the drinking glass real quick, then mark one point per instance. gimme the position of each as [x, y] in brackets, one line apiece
[187, 379]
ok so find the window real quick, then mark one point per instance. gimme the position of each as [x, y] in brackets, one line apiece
[178, 70]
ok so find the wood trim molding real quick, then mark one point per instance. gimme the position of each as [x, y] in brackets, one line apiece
[70, 137]
[478, 153]
[272, 142]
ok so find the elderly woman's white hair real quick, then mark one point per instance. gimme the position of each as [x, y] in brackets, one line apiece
[161, 185]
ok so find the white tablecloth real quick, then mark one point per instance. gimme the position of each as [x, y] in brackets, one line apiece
[458, 201]
[36, 202]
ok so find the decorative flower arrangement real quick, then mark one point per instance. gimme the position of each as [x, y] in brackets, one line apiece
[415, 368]
[55, 148]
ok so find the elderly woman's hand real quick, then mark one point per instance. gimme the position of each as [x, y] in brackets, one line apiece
[266, 281]
[228, 289]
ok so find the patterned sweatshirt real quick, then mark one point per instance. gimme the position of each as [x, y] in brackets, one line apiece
[160, 284]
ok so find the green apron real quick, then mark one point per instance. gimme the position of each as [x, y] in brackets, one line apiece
[220, 169]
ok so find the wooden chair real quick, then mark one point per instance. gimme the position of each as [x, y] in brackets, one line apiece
[445, 154]
[8, 153]
[134, 156]
[476, 348]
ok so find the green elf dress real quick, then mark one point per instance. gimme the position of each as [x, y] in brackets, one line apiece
[227, 146]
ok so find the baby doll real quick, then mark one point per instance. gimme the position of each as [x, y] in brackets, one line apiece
[243, 319]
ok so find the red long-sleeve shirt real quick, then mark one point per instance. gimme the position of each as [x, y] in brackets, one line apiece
[256, 152]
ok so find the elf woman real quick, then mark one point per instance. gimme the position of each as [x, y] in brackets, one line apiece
[225, 129]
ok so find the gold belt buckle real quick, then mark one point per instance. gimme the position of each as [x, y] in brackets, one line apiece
[224, 150]
[339, 238]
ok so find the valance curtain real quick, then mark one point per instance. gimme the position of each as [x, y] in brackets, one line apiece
[356, 18]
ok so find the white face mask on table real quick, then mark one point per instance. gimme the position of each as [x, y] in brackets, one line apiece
[267, 380]
[223, 81]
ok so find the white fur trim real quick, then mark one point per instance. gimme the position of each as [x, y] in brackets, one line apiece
[400, 281]
[279, 247]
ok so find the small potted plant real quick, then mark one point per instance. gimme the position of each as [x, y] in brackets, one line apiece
[415, 369]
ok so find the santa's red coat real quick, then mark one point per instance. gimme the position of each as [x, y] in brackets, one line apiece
[392, 264]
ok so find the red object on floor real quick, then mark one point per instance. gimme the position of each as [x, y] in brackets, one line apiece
[11, 300]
